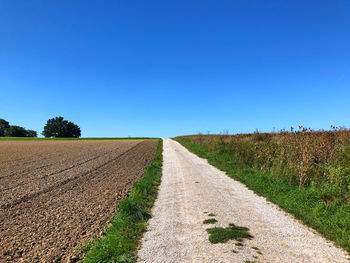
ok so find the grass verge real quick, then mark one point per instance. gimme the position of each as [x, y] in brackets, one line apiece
[121, 239]
[331, 219]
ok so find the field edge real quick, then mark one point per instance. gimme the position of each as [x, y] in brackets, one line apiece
[122, 237]
[72, 139]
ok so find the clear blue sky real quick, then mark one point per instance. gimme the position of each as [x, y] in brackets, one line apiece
[167, 68]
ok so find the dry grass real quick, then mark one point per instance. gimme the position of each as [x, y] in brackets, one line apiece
[304, 156]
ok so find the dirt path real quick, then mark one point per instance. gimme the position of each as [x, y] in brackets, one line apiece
[190, 187]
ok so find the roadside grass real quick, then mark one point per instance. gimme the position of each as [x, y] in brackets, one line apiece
[309, 203]
[210, 221]
[74, 139]
[122, 237]
[222, 235]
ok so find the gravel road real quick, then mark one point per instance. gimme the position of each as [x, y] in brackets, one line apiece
[190, 187]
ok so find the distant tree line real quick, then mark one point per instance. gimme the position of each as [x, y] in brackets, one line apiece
[7, 130]
[56, 127]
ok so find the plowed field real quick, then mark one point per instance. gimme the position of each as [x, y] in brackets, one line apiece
[55, 195]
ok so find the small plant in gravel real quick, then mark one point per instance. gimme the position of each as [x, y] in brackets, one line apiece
[211, 214]
[222, 235]
[210, 221]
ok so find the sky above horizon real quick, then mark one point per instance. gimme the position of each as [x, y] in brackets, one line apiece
[168, 68]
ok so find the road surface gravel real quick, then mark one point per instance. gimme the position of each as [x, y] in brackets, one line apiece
[190, 187]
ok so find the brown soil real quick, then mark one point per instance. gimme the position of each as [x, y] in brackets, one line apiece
[55, 195]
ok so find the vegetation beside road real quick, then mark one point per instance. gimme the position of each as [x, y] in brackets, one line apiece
[305, 172]
[123, 235]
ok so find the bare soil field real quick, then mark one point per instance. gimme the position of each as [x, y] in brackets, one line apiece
[55, 195]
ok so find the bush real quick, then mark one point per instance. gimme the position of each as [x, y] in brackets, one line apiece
[59, 127]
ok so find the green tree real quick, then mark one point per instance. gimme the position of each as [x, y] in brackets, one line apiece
[31, 133]
[3, 126]
[59, 127]
[15, 131]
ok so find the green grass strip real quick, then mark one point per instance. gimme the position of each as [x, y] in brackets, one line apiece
[73, 139]
[331, 220]
[122, 237]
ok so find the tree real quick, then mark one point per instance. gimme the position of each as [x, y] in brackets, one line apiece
[15, 131]
[31, 133]
[3, 126]
[59, 127]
